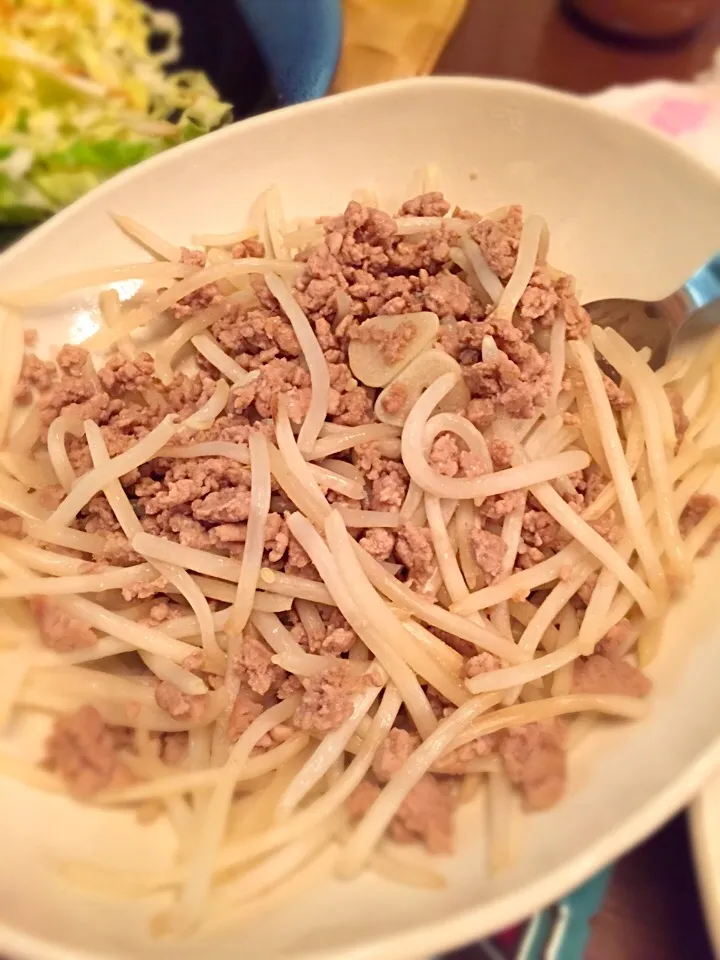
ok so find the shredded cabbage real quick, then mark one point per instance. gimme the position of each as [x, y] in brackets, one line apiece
[84, 93]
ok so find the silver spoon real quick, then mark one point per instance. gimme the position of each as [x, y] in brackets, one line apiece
[689, 313]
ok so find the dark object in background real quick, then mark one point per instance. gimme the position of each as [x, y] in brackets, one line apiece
[217, 40]
[640, 22]
[300, 41]
[261, 54]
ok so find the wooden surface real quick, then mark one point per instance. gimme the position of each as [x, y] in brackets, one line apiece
[532, 40]
[652, 909]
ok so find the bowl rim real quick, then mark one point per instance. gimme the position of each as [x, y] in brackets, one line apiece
[469, 924]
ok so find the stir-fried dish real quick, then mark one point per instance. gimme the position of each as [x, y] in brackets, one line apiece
[364, 530]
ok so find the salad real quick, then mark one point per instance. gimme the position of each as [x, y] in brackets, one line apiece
[86, 91]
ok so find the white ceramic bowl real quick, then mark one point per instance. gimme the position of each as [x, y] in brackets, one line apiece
[629, 215]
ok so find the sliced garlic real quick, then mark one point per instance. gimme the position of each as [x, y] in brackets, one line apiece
[366, 356]
[490, 349]
[396, 400]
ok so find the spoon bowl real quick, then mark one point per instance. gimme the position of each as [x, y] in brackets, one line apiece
[686, 315]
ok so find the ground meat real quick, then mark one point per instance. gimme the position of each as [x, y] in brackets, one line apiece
[392, 344]
[73, 361]
[459, 760]
[119, 375]
[586, 590]
[517, 390]
[255, 665]
[539, 298]
[173, 748]
[362, 798]
[361, 238]
[79, 398]
[426, 814]
[244, 711]
[116, 550]
[11, 525]
[230, 505]
[698, 506]
[192, 258]
[534, 759]
[694, 512]
[337, 638]
[316, 289]
[35, 373]
[618, 641]
[619, 399]
[188, 481]
[447, 296]
[254, 336]
[501, 453]
[445, 455]
[488, 550]
[328, 699]
[607, 526]
[390, 487]
[277, 537]
[680, 418]
[427, 254]
[441, 706]
[471, 464]
[180, 706]
[481, 412]
[371, 459]
[338, 641]
[289, 687]
[83, 750]
[540, 530]
[431, 204]
[577, 319]
[378, 542]
[499, 240]
[597, 674]
[196, 301]
[481, 663]
[393, 752]
[594, 482]
[414, 550]
[144, 589]
[353, 408]
[190, 533]
[59, 630]
[297, 557]
[252, 247]
[159, 612]
[394, 398]
[497, 508]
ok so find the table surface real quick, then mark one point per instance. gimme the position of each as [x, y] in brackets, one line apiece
[652, 909]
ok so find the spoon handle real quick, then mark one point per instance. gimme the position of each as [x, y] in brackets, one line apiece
[703, 287]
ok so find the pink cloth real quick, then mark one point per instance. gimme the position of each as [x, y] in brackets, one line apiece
[689, 113]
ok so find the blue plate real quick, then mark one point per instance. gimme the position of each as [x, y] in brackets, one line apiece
[300, 42]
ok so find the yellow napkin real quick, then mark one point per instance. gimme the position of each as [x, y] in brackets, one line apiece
[388, 39]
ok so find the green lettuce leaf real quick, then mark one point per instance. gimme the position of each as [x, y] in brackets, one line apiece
[103, 157]
[21, 202]
[62, 188]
